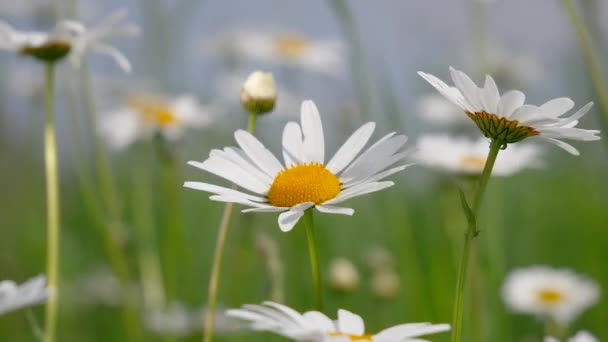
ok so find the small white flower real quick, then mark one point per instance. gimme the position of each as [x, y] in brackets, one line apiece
[70, 38]
[460, 155]
[506, 118]
[284, 48]
[305, 180]
[581, 336]
[144, 116]
[557, 294]
[343, 275]
[32, 292]
[314, 326]
[438, 110]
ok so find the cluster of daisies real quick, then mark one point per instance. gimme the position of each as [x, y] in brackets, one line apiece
[304, 178]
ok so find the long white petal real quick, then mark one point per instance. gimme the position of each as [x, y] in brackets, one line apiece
[292, 144]
[373, 160]
[256, 151]
[349, 150]
[569, 148]
[451, 93]
[225, 169]
[312, 129]
[350, 323]
[220, 190]
[328, 209]
[510, 102]
[359, 190]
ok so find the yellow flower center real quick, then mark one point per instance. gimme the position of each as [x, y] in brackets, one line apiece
[155, 111]
[473, 162]
[352, 337]
[550, 296]
[290, 46]
[507, 131]
[303, 183]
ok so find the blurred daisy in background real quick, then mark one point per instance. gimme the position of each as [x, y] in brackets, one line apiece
[313, 326]
[506, 118]
[70, 38]
[143, 116]
[438, 110]
[464, 156]
[305, 180]
[581, 336]
[181, 320]
[559, 295]
[282, 48]
[512, 69]
[32, 292]
[343, 275]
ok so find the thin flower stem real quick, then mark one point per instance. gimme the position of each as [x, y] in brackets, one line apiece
[52, 207]
[591, 61]
[314, 259]
[218, 254]
[471, 233]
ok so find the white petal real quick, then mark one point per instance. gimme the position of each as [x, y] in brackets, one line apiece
[557, 107]
[510, 102]
[350, 323]
[468, 88]
[569, 148]
[231, 172]
[328, 209]
[314, 142]
[115, 54]
[408, 330]
[220, 190]
[359, 190]
[237, 156]
[349, 150]
[379, 176]
[320, 320]
[237, 199]
[528, 113]
[256, 151]
[288, 219]
[451, 93]
[374, 159]
[269, 209]
[490, 95]
[292, 144]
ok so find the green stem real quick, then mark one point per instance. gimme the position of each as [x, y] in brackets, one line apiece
[314, 259]
[52, 207]
[471, 233]
[218, 254]
[591, 61]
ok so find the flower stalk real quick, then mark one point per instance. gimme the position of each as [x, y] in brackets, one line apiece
[471, 233]
[218, 254]
[52, 205]
[314, 259]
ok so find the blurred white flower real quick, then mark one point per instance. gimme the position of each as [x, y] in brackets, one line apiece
[305, 180]
[438, 110]
[181, 320]
[385, 283]
[100, 286]
[314, 326]
[557, 294]
[259, 93]
[512, 68]
[32, 292]
[70, 38]
[143, 116]
[283, 48]
[507, 119]
[460, 155]
[343, 275]
[581, 336]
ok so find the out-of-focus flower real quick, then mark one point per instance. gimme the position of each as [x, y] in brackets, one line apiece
[305, 181]
[69, 37]
[343, 275]
[314, 326]
[507, 119]
[180, 320]
[581, 336]
[284, 48]
[32, 292]
[557, 294]
[100, 286]
[258, 93]
[512, 68]
[385, 283]
[379, 257]
[459, 155]
[437, 110]
[143, 116]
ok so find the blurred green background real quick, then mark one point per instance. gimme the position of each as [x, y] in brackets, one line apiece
[130, 202]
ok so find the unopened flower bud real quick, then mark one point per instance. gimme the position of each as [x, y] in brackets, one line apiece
[259, 94]
[50, 51]
[385, 284]
[343, 275]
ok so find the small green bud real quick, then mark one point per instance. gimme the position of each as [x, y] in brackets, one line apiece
[259, 94]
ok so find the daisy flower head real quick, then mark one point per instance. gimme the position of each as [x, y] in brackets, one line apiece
[581, 336]
[283, 48]
[143, 116]
[463, 156]
[556, 294]
[314, 326]
[505, 118]
[70, 38]
[32, 292]
[305, 180]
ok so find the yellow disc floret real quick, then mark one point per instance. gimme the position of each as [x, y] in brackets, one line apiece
[303, 183]
[550, 296]
[154, 111]
[291, 46]
[360, 338]
[473, 162]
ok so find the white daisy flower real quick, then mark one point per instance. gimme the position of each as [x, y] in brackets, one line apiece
[460, 155]
[70, 38]
[292, 49]
[506, 118]
[557, 294]
[32, 292]
[143, 116]
[581, 336]
[305, 180]
[314, 326]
